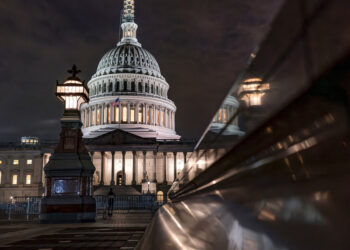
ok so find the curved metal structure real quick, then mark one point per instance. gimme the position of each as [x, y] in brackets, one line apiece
[285, 184]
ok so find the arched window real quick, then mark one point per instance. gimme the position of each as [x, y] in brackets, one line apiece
[99, 88]
[157, 90]
[147, 88]
[118, 87]
[110, 87]
[104, 88]
[133, 87]
[152, 89]
[125, 88]
[140, 87]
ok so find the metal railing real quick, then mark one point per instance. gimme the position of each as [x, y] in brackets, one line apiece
[128, 203]
[28, 208]
[21, 207]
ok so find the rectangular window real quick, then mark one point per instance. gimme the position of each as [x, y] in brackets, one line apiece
[125, 114]
[158, 117]
[148, 116]
[28, 179]
[14, 179]
[98, 117]
[220, 116]
[132, 115]
[163, 120]
[109, 115]
[140, 116]
[93, 117]
[15, 162]
[224, 115]
[116, 114]
[29, 162]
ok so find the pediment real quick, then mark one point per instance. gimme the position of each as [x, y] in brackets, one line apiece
[118, 137]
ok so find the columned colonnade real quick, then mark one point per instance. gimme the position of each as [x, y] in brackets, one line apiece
[136, 167]
[128, 113]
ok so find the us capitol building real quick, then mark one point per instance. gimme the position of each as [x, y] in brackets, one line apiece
[128, 127]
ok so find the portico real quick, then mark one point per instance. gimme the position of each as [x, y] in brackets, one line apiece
[124, 159]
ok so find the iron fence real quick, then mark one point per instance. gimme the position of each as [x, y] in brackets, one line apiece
[150, 202]
[19, 208]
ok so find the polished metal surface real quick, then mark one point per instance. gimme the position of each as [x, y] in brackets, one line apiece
[285, 183]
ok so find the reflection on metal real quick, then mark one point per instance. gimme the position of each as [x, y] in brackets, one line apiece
[284, 185]
[252, 91]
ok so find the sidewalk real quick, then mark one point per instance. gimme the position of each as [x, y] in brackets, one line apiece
[122, 231]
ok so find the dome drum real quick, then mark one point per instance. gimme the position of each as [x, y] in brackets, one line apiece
[127, 84]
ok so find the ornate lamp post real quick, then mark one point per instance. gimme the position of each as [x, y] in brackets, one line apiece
[68, 189]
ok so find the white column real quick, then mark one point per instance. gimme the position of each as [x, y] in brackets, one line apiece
[101, 114]
[164, 167]
[104, 114]
[96, 107]
[150, 115]
[154, 115]
[154, 177]
[113, 86]
[166, 117]
[128, 117]
[112, 113]
[90, 114]
[137, 112]
[144, 113]
[120, 112]
[174, 120]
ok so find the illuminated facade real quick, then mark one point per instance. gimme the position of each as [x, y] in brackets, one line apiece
[128, 91]
[128, 125]
[21, 169]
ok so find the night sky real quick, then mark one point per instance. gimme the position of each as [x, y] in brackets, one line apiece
[200, 45]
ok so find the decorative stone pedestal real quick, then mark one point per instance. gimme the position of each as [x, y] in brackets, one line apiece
[68, 190]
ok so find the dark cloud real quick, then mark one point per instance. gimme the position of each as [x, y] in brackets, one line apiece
[201, 46]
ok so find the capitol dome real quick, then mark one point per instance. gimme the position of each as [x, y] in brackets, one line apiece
[128, 91]
[128, 58]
